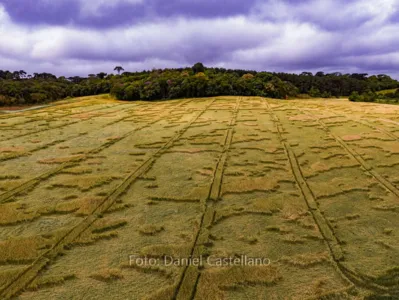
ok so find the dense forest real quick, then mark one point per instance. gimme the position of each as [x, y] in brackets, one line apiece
[18, 88]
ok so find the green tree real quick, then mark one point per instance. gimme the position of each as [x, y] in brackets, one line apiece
[101, 75]
[119, 69]
[313, 92]
[22, 73]
[354, 97]
[198, 68]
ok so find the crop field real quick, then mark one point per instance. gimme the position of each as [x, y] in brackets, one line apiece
[310, 186]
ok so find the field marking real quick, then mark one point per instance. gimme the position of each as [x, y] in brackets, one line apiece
[31, 272]
[361, 121]
[191, 275]
[24, 109]
[54, 104]
[19, 113]
[382, 130]
[368, 169]
[55, 107]
[60, 126]
[49, 118]
[323, 225]
[388, 121]
[326, 230]
[33, 182]
[70, 138]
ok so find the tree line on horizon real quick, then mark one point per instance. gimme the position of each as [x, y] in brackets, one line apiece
[17, 88]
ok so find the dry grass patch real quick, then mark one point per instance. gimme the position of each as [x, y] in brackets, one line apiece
[12, 150]
[351, 137]
[113, 138]
[321, 167]
[234, 212]
[8, 276]
[214, 282]
[35, 141]
[88, 238]
[118, 207]
[107, 224]
[162, 250]
[81, 206]
[107, 275]
[205, 172]
[9, 177]
[248, 239]
[292, 239]
[150, 229]
[152, 186]
[85, 116]
[102, 229]
[306, 260]
[154, 145]
[86, 184]
[301, 118]
[49, 281]
[61, 160]
[13, 213]
[78, 170]
[22, 251]
[388, 231]
[156, 269]
[188, 150]
[241, 185]
[137, 153]
[88, 205]
[164, 293]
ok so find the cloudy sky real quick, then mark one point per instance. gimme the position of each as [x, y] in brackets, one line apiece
[78, 37]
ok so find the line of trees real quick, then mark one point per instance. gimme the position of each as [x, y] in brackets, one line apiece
[390, 97]
[18, 87]
[338, 84]
[172, 84]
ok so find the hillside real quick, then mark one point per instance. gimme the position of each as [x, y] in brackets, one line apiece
[17, 88]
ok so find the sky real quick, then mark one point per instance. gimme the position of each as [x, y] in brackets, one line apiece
[80, 37]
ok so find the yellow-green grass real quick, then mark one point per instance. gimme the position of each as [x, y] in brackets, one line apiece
[383, 92]
[90, 185]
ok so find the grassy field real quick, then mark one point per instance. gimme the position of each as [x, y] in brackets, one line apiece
[383, 92]
[311, 186]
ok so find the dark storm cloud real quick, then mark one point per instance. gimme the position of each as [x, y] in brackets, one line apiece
[328, 15]
[36, 12]
[395, 15]
[103, 14]
[81, 36]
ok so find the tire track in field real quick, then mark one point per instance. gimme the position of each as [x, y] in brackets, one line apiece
[11, 157]
[54, 106]
[363, 122]
[369, 170]
[31, 112]
[326, 230]
[90, 101]
[30, 273]
[33, 182]
[382, 130]
[49, 118]
[54, 118]
[388, 121]
[189, 279]
[58, 118]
